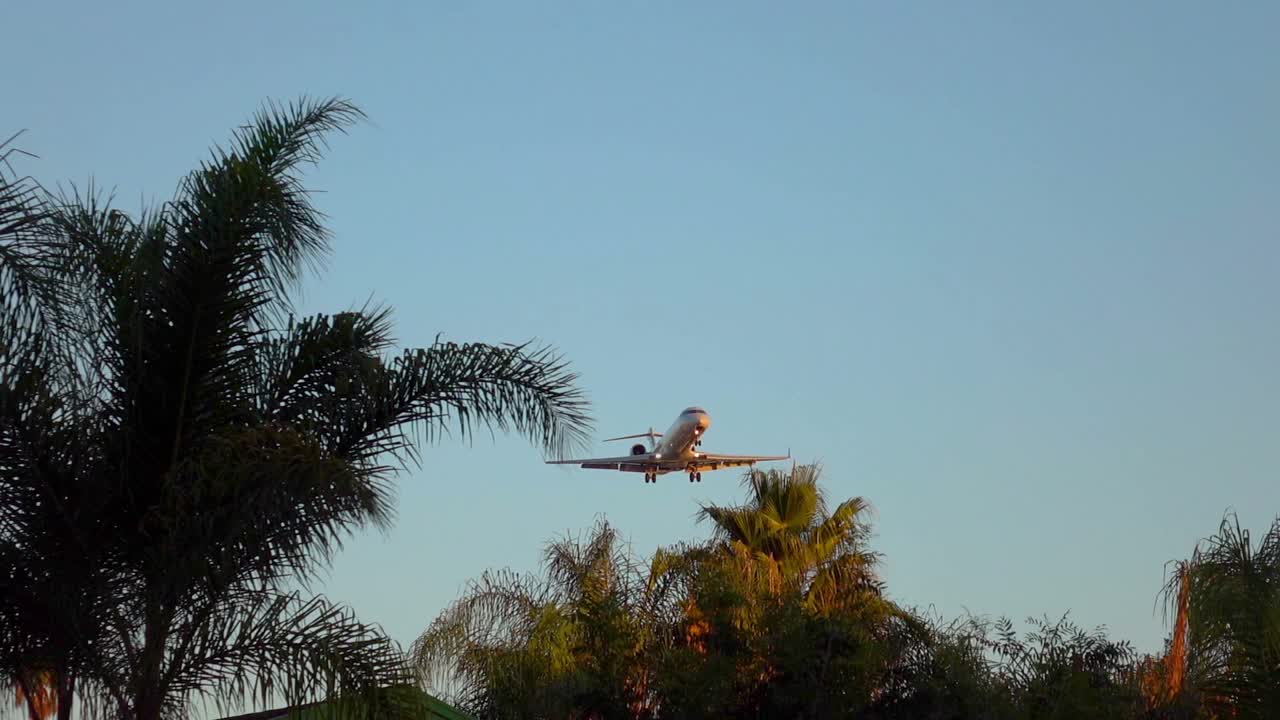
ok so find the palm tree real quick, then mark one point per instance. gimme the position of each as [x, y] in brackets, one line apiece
[178, 453]
[1226, 604]
[798, 574]
[573, 643]
[37, 692]
[785, 539]
[29, 307]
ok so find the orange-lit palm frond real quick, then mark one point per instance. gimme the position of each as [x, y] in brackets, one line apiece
[1226, 636]
[38, 691]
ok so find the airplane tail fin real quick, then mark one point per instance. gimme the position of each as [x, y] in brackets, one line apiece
[652, 435]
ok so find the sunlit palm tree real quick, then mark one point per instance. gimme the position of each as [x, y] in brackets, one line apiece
[572, 643]
[38, 693]
[785, 538]
[177, 452]
[1226, 601]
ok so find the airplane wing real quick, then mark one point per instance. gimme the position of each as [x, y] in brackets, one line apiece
[716, 460]
[609, 463]
[638, 463]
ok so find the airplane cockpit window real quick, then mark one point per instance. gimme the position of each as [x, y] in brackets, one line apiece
[692, 410]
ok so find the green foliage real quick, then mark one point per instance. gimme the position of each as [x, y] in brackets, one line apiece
[981, 670]
[735, 629]
[574, 643]
[1061, 671]
[177, 452]
[785, 540]
[1234, 621]
[943, 671]
[722, 630]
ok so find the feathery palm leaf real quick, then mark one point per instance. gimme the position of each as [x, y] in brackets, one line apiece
[572, 642]
[1232, 599]
[275, 647]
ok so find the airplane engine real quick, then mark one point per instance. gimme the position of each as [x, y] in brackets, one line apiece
[638, 449]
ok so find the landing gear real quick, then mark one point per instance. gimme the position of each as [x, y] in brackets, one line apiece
[651, 478]
[695, 476]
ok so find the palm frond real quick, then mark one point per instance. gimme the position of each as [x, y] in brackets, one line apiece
[588, 570]
[427, 392]
[281, 647]
[31, 283]
[1232, 601]
[269, 150]
[300, 368]
[264, 505]
[497, 610]
[171, 457]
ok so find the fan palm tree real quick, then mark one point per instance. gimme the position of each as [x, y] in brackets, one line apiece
[801, 577]
[784, 538]
[178, 453]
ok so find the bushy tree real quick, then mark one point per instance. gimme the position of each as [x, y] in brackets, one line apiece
[574, 642]
[780, 614]
[980, 670]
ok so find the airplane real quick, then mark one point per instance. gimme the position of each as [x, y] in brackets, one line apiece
[676, 453]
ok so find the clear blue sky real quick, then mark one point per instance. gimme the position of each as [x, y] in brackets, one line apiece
[1008, 272]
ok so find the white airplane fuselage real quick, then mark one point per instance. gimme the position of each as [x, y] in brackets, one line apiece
[678, 441]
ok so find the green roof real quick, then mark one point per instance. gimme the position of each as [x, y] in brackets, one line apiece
[433, 709]
[437, 709]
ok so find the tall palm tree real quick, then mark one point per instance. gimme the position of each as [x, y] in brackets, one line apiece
[785, 538]
[1226, 604]
[798, 573]
[178, 453]
[29, 309]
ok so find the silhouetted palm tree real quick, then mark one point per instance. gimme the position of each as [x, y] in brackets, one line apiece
[177, 452]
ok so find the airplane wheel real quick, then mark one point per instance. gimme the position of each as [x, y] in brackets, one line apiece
[699, 475]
